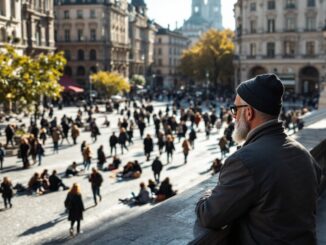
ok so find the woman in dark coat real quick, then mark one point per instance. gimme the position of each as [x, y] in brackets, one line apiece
[75, 206]
[7, 191]
[148, 146]
[101, 157]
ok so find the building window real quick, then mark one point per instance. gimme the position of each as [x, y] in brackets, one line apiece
[68, 71]
[38, 35]
[3, 36]
[271, 4]
[67, 55]
[92, 54]
[290, 23]
[79, 14]
[159, 62]
[253, 6]
[270, 49]
[252, 49]
[159, 51]
[290, 4]
[13, 8]
[66, 14]
[289, 48]
[80, 54]
[80, 71]
[67, 35]
[80, 35]
[55, 35]
[310, 48]
[160, 40]
[92, 14]
[93, 34]
[311, 3]
[3, 8]
[311, 23]
[271, 25]
[253, 25]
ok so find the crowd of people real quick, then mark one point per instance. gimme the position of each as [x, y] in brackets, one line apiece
[177, 126]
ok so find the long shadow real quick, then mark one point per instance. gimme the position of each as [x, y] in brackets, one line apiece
[175, 167]
[44, 226]
[138, 154]
[205, 172]
[11, 169]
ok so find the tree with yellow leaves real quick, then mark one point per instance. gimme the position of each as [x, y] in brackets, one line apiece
[212, 55]
[109, 83]
[24, 80]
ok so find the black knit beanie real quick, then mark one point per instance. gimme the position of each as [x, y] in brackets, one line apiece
[264, 93]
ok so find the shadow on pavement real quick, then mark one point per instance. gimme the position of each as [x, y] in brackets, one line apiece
[44, 226]
[11, 169]
[175, 167]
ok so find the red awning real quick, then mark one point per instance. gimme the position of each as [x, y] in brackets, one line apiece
[74, 89]
[70, 85]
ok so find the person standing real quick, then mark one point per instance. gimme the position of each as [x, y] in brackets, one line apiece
[169, 147]
[7, 191]
[87, 154]
[141, 126]
[148, 146]
[123, 139]
[96, 180]
[157, 167]
[10, 132]
[113, 143]
[75, 206]
[75, 132]
[101, 157]
[267, 190]
[2, 155]
[56, 136]
[39, 151]
[192, 137]
[24, 151]
[186, 149]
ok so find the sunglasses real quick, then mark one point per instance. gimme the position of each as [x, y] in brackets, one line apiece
[234, 108]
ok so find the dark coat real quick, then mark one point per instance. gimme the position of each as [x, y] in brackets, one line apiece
[157, 166]
[169, 146]
[75, 206]
[148, 145]
[7, 191]
[267, 191]
[113, 140]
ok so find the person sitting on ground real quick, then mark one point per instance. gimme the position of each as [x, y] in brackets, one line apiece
[143, 195]
[216, 166]
[45, 179]
[152, 186]
[165, 191]
[35, 184]
[132, 170]
[115, 163]
[56, 182]
[72, 170]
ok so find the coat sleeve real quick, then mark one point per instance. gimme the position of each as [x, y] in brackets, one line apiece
[230, 199]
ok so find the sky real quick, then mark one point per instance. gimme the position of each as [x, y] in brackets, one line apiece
[168, 12]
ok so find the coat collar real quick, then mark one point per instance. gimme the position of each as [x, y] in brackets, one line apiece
[270, 127]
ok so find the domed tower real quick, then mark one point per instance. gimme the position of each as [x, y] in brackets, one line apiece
[197, 7]
[214, 14]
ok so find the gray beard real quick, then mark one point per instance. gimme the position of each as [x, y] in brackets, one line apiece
[241, 130]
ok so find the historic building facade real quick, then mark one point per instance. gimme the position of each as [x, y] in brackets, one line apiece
[167, 52]
[283, 37]
[142, 37]
[28, 24]
[93, 35]
[204, 15]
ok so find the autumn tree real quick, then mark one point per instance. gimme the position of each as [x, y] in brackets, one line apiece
[109, 83]
[212, 55]
[25, 80]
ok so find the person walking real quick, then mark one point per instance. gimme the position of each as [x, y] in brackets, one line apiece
[75, 132]
[169, 147]
[192, 137]
[56, 136]
[75, 206]
[186, 149]
[7, 191]
[157, 167]
[96, 180]
[87, 154]
[2, 155]
[10, 132]
[24, 151]
[148, 146]
[113, 143]
[101, 157]
[268, 189]
[39, 152]
[123, 139]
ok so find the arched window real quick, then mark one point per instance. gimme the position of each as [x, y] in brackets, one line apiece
[80, 71]
[92, 54]
[68, 71]
[81, 54]
[67, 55]
[93, 69]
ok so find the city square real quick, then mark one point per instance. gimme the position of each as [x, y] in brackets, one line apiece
[120, 124]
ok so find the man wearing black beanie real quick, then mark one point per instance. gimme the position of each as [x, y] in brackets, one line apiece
[267, 190]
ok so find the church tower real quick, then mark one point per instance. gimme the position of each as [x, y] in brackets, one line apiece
[197, 7]
[214, 14]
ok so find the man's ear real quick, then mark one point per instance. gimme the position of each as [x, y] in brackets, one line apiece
[250, 112]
